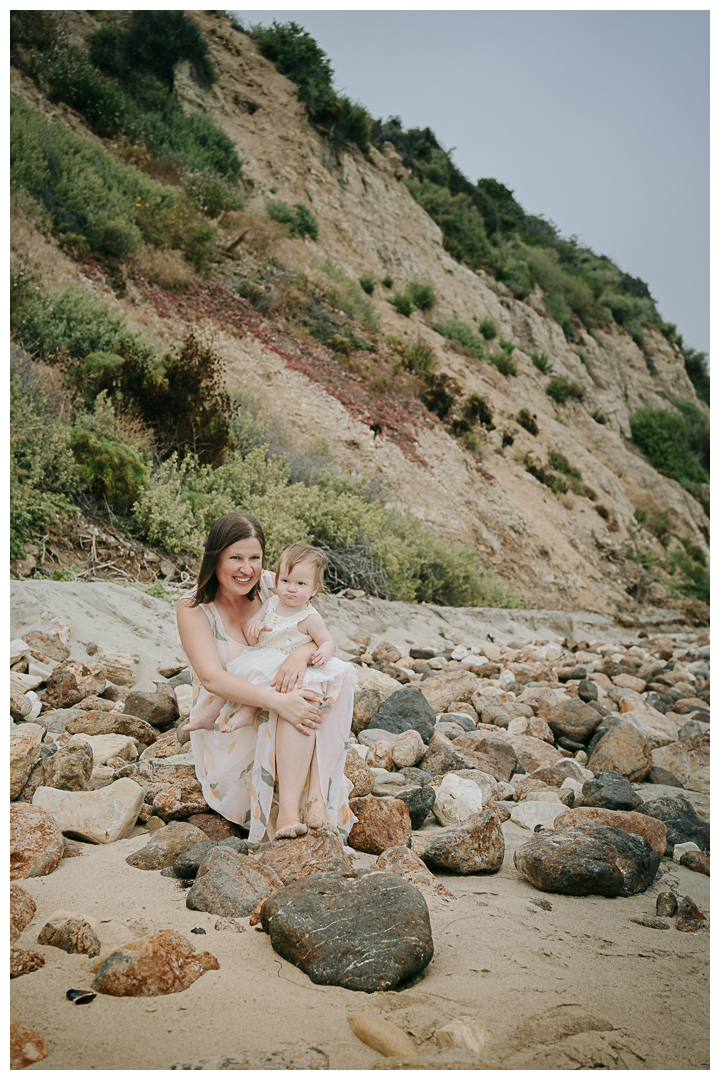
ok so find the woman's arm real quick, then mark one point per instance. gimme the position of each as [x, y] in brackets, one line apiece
[292, 670]
[298, 708]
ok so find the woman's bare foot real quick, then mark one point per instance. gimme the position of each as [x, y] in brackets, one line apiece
[204, 721]
[316, 816]
[290, 832]
[244, 717]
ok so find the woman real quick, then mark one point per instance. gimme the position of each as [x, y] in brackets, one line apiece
[292, 746]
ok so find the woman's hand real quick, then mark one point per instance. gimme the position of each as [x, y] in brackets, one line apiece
[300, 708]
[292, 671]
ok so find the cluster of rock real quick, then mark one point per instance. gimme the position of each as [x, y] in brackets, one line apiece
[446, 746]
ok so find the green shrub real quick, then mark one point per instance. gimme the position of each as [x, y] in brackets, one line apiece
[471, 441]
[463, 334]
[367, 284]
[528, 421]
[402, 302]
[212, 194]
[440, 394]
[75, 322]
[558, 461]
[694, 578]
[299, 222]
[504, 363]
[387, 281]
[662, 436]
[339, 344]
[43, 474]
[108, 465]
[542, 362]
[420, 359]
[559, 485]
[696, 366]
[422, 295]
[640, 513]
[350, 298]
[561, 388]
[153, 42]
[178, 227]
[476, 409]
[488, 328]
[107, 107]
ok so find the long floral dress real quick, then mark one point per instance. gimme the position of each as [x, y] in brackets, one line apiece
[237, 769]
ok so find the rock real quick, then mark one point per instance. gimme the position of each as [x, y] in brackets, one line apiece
[385, 651]
[463, 708]
[697, 861]
[478, 846]
[441, 690]
[119, 666]
[466, 1033]
[70, 935]
[666, 903]
[187, 863]
[26, 1046]
[158, 709]
[499, 808]
[588, 860]
[166, 745]
[50, 644]
[497, 716]
[662, 776]
[165, 846]
[681, 820]
[680, 849]
[539, 729]
[533, 812]
[231, 884]
[368, 700]
[406, 864]
[557, 774]
[95, 703]
[587, 690]
[180, 800]
[25, 741]
[70, 769]
[408, 749]
[319, 851]
[419, 799]
[367, 931]
[653, 830]
[488, 784]
[452, 731]
[630, 682]
[105, 747]
[623, 749]
[380, 1035]
[281, 1057]
[611, 791]
[358, 773]
[71, 681]
[651, 921]
[407, 709]
[36, 842]
[380, 755]
[20, 706]
[443, 756]
[690, 918]
[79, 722]
[456, 800]
[529, 787]
[166, 770]
[534, 752]
[22, 909]
[161, 963]
[382, 823]
[229, 924]
[674, 758]
[100, 817]
[23, 961]
[214, 826]
[371, 735]
[21, 683]
[700, 780]
[498, 754]
[570, 717]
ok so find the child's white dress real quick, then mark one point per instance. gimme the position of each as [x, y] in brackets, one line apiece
[259, 664]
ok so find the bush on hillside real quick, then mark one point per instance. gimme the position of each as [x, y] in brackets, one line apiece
[662, 436]
[562, 388]
[109, 465]
[422, 295]
[299, 221]
[74, 323]
[463, 334]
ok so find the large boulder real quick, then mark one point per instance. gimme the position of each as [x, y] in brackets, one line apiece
[588, 860]
[161, 963]
[105, 747]
[231, 884]
[407, 709]
[36, 842]
[319, 851]
[74, 935]
[499, 755]
[477, 846]
[681, 821]
[160, 709]
[570, 717]
[651, 828]
[622, 749]
[381, 823]
[71, 681]
[99, 817]
[367, 931]
[89, 722]
[165, 846]
[180, 800]
[534, 752]
[70, 769]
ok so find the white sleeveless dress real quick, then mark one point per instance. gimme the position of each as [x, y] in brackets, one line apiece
[237, 769]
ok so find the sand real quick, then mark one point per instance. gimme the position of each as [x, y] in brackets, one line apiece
[579, 986]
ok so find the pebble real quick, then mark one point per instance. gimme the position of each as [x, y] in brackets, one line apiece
[388, 1039]
[666, 903]
[690, 918]
[23, 961]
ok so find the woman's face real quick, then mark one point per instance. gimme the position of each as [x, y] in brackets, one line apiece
[239, 567]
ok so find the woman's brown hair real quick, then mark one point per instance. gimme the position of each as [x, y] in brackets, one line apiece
[225, 531]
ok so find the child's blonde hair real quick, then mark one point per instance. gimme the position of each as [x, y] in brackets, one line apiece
[298, 553]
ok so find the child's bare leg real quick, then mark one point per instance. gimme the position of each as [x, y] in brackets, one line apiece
[244, 716]
[206, 719]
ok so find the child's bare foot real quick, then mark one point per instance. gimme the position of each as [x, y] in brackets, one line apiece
[204, 721]
[244, 717]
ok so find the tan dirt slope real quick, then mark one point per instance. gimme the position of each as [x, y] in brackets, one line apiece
[557, 552]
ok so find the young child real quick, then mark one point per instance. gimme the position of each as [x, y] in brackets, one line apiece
[285, 621]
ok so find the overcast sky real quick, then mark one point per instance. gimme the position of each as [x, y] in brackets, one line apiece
[598, 120]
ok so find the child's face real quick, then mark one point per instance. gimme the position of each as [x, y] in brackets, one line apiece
[297, 586]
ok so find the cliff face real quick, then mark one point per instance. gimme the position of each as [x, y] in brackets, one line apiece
[553, 549]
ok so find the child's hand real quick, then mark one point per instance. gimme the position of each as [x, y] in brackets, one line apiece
[321, 655]
[255, 628]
